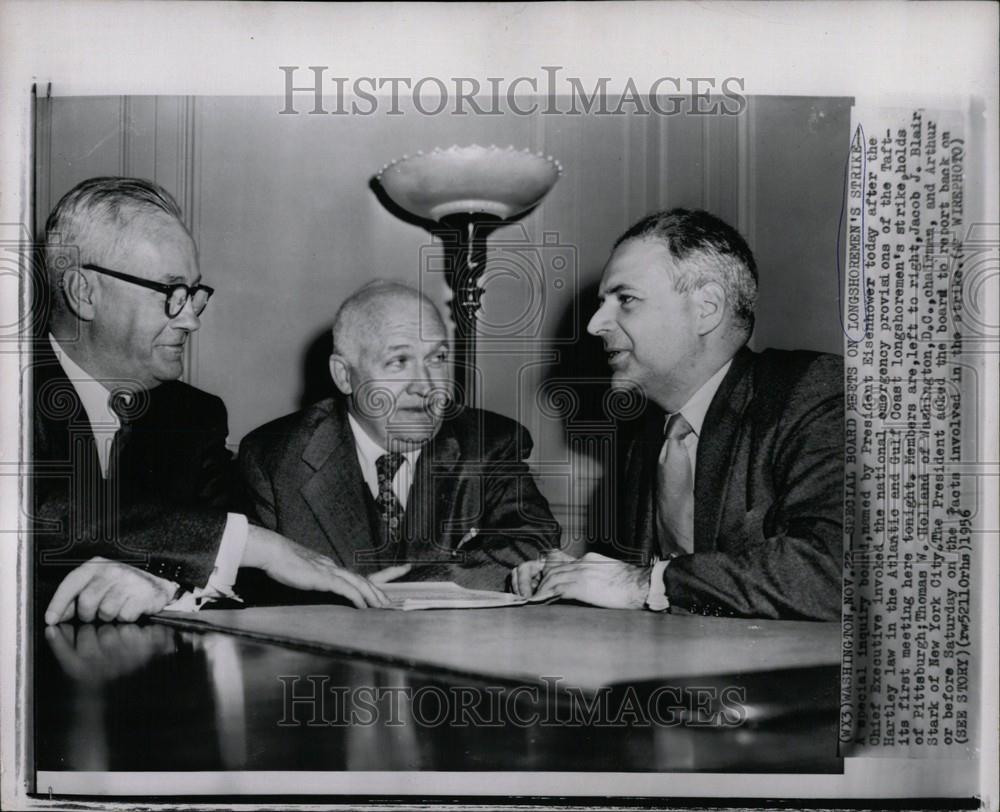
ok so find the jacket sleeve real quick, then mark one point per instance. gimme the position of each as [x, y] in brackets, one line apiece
[257, 498]
[517, 523]
[178, 544]
[214, 469]
[792, 565]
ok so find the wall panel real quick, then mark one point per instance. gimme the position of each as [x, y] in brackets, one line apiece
[288, 224]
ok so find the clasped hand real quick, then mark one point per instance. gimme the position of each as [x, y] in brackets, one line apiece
[594, 579]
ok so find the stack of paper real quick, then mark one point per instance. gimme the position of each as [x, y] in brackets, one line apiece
[445, 595]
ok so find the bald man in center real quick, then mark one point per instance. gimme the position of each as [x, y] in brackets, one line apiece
[392, 471]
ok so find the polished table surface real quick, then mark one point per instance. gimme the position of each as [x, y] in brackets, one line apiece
[541, 688]
[584, 646]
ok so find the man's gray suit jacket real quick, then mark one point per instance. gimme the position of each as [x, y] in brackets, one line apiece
[769, 487]
[303, 479]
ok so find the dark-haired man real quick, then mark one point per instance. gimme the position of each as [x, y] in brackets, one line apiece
[730, 492]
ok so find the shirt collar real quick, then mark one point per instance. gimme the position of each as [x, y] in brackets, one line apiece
[369, 450]
[696, 408]
[92, 393]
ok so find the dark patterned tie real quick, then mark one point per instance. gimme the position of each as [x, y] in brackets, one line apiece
[389, 508]
[675, 491]
[121, 403]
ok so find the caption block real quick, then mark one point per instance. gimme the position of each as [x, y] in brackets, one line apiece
[908, 658]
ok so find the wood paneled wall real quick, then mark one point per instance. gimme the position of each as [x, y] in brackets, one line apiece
[288, 224]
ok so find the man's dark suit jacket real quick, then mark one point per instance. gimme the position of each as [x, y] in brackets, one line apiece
[303, 479]
[769, 483]
[162, 507]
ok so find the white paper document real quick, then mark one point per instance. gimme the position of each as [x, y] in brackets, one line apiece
[446, 595]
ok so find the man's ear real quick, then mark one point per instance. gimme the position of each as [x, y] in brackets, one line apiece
[340, 371]
[710, 303]
[79, 294]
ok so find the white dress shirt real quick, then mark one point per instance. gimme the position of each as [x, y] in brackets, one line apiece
[94, 396]
[694, 412]
[368, 453]
[105, 423]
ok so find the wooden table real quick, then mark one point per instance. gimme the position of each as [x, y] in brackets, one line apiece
[586, 647]
[540, 688]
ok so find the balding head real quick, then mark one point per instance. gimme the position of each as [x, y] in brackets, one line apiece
[390, 357]
[366, 312]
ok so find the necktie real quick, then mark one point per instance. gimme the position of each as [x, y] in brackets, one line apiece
[120, 403]
[675, 491]
[390, 510]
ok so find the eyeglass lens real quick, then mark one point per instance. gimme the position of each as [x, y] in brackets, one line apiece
[178, 299]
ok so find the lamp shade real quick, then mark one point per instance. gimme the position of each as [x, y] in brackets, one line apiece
[469, 180]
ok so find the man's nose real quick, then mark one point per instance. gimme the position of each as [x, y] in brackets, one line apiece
[598, 322]
[421, 383]
[187, 319]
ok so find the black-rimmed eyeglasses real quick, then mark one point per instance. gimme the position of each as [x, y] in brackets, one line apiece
[177, 294]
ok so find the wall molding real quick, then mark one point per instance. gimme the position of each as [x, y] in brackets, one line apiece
[42, 183]
[187, 183]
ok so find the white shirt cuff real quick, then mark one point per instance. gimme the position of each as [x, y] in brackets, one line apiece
[656, 598]
[227, 565]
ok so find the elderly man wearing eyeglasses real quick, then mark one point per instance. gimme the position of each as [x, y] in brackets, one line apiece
[131, 478]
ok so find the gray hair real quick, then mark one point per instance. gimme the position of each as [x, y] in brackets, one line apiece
[95, 216]
[364, 308]
[707, 250]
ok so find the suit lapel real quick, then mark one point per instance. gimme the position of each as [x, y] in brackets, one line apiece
[432, 488]
[62, 429]
[723, 423]
[336, 491]
[140, 447]
[637, 500]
